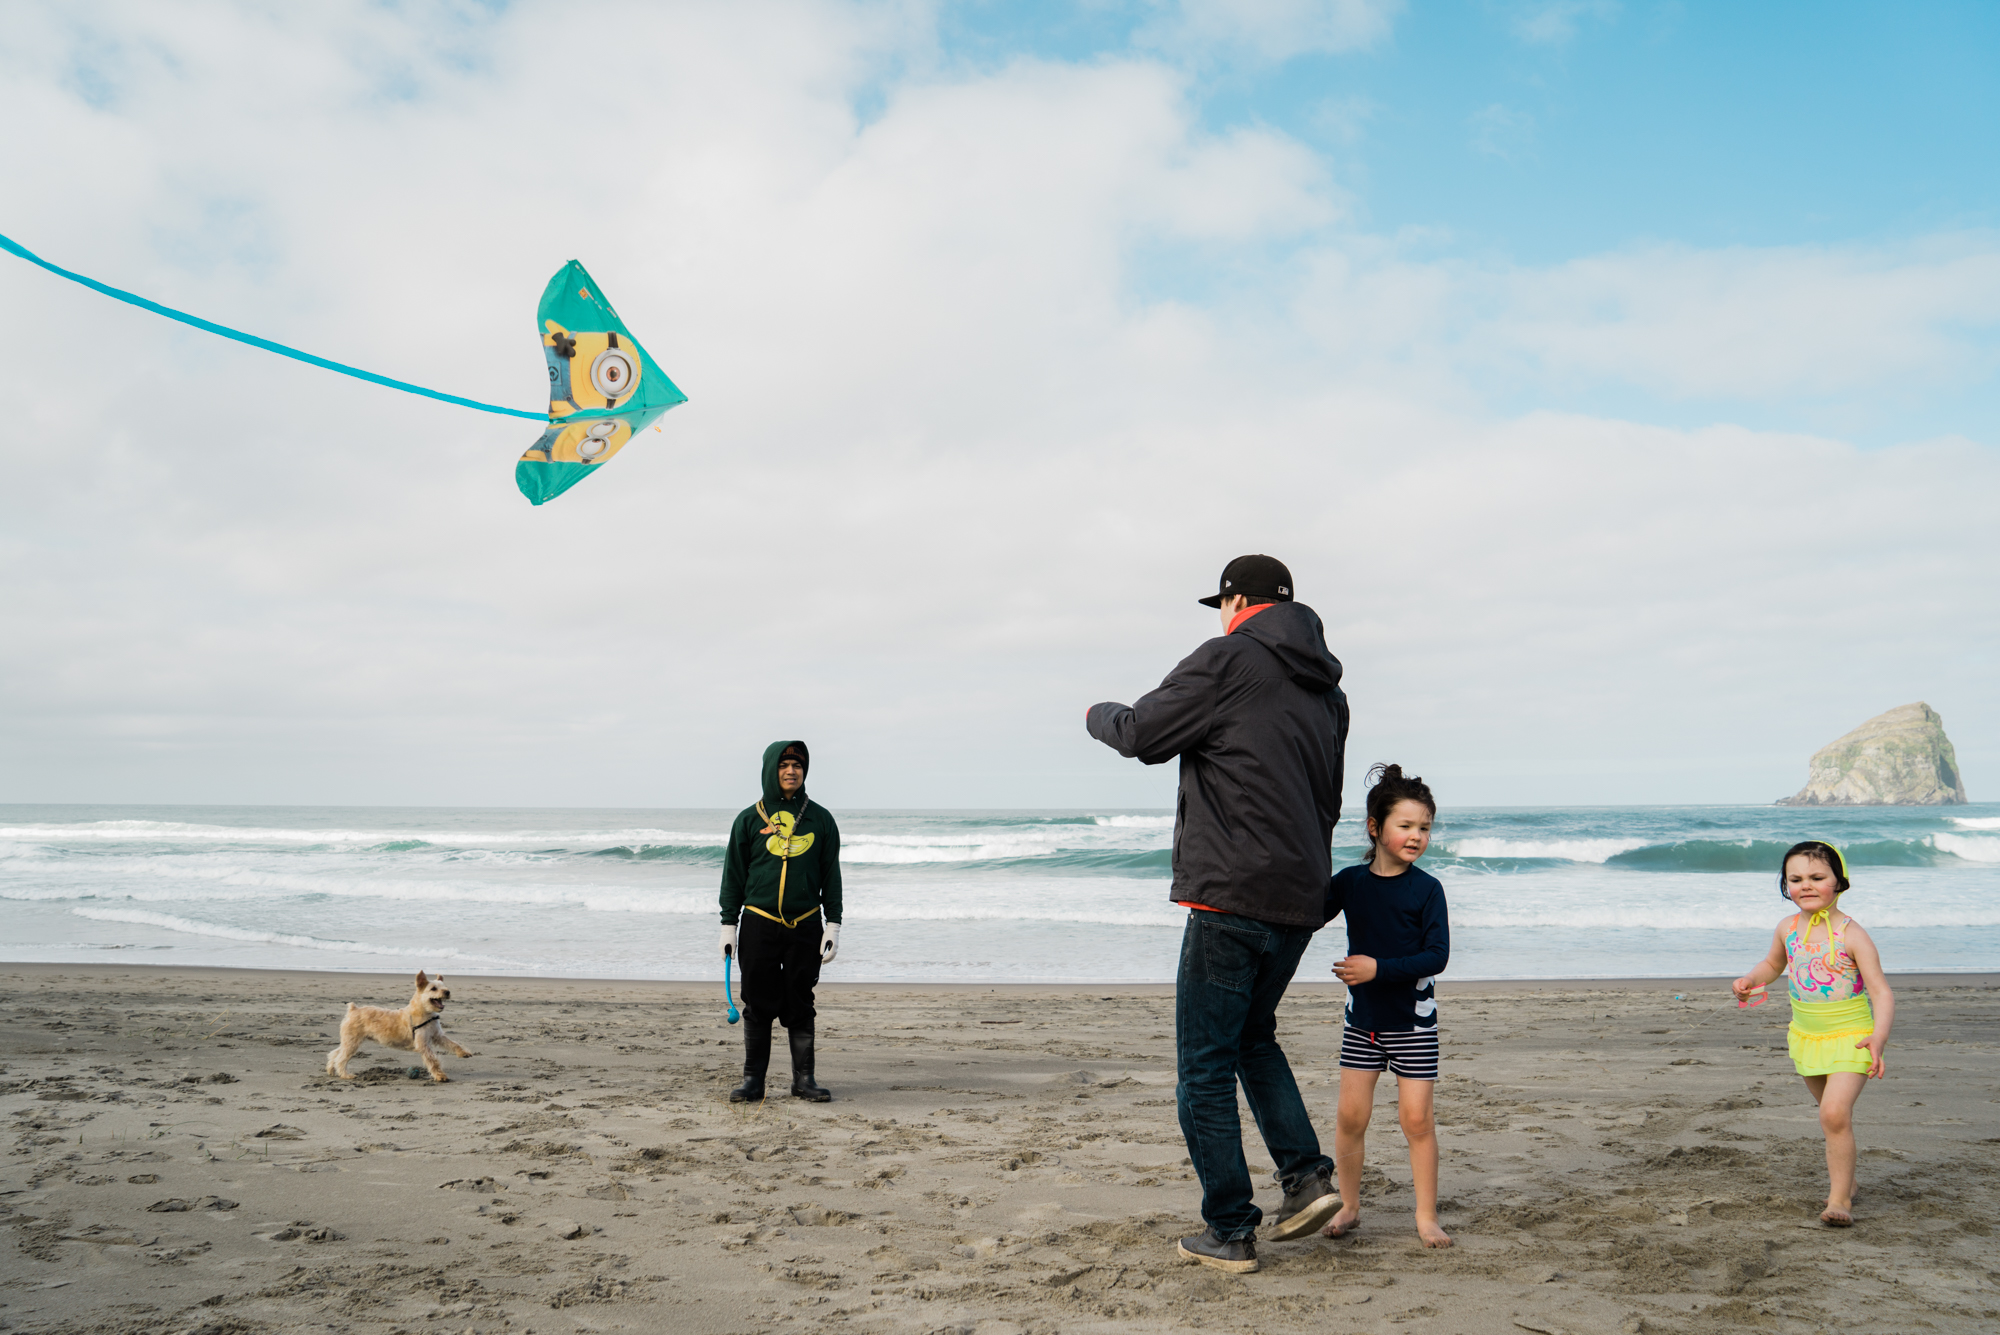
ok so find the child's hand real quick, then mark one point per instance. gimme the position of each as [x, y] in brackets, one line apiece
[1355, 969]
[1874, 1043]
[1743, 987]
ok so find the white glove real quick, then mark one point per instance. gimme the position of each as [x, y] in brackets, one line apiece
[728, 942]
[829, 942]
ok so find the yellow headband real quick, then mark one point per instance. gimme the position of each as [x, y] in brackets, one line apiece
[1839, 858]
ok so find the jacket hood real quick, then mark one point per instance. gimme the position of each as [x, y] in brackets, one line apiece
[776, 750]
[1293, 632]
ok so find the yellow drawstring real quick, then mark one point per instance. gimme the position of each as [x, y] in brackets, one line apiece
[784, 865]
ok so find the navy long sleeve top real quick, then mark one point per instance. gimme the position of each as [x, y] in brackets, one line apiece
[1401, 922]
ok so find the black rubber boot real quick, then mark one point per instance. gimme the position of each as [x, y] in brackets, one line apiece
[802, 1068]
[756, 1060]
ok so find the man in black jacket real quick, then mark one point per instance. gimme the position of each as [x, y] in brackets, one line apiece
[1259, 722]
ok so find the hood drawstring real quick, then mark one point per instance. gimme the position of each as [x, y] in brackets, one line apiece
[771, 826]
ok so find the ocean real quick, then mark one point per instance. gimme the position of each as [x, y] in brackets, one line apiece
[941, 896]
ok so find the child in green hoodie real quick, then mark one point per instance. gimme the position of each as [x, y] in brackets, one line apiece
[781, 916]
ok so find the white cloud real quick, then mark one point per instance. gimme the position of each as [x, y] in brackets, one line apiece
[1272, 30]
[1500, 131]
[946, 477]
[1768, 322]
[1554, 22]
[1764, 325]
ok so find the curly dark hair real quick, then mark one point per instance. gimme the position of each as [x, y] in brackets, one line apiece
[1388, 785]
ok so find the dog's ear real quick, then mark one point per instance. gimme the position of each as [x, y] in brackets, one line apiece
[422, 982]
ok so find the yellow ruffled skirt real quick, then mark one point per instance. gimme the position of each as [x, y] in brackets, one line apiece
[1823, 1035]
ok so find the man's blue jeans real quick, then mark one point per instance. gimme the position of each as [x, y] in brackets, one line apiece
[1234, 970]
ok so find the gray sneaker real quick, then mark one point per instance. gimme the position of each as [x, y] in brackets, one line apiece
[1311, 1204]
[1238, 1257]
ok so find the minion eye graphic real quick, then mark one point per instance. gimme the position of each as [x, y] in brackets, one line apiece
[596, 440]
[602, 393]
[613, 373]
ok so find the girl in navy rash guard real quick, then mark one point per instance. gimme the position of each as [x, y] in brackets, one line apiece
[1398, 941]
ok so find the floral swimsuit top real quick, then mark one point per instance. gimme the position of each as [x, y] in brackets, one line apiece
[1825, 971]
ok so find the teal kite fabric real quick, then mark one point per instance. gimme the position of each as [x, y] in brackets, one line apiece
[603, 388]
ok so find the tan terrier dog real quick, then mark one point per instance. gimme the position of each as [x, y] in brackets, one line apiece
[417, 1026]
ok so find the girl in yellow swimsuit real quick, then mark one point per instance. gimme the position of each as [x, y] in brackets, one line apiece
[1841, 1004]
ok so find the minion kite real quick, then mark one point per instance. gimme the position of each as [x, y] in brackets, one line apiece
[603, 389]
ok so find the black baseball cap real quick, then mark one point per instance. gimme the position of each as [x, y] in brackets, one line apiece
[1262, 579]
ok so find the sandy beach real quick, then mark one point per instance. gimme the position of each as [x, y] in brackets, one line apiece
[996, 1160]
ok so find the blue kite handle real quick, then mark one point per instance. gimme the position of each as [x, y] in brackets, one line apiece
[16, 248]
[734, 1014]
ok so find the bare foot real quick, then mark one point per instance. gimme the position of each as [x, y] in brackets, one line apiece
[1343, 1223]
[1432, 1235]
[1837, 1215]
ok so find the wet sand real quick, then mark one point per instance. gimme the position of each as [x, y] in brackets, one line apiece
[997, 1160]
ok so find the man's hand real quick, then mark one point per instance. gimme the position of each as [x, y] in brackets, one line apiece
[1355, 969]
[829, 942]
[728, 942]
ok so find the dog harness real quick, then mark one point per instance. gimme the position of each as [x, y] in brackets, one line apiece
[433, 1020]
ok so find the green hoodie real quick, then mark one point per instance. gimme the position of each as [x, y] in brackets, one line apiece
[758, 876]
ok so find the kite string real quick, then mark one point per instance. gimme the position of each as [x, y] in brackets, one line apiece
[225, 331]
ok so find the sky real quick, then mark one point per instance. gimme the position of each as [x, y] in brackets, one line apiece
[1617, 379]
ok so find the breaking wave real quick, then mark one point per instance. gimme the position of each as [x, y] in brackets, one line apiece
[1970, 847]
[963, 896]
[1705, 855]
[1540, 850]
[179, 832]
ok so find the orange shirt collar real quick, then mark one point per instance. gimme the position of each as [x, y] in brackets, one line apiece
[1244, 616]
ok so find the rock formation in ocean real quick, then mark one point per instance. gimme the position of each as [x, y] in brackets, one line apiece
[1898, 759]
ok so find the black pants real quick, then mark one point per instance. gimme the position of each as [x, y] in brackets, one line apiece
[780, 969]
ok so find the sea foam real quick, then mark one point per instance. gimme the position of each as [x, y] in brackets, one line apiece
[1558, 850]
[223, 931]
[957, 896]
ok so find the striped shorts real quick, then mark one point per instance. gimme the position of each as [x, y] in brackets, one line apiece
[1409, 1055]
